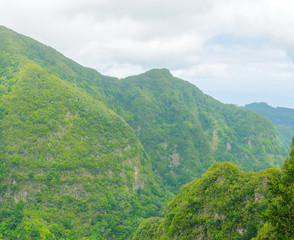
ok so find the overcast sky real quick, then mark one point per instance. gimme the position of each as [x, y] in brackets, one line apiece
[237, 51]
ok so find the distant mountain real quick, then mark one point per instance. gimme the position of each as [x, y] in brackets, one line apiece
[88, 156]
[225, 203]
[278, 115]
[282, 118]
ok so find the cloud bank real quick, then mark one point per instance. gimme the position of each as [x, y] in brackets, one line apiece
[237, 51]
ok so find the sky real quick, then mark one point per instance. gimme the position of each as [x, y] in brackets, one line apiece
[237, 51]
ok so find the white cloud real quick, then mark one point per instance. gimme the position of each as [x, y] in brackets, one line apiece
[128, 36]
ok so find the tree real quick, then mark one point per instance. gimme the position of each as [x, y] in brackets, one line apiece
[280, 214]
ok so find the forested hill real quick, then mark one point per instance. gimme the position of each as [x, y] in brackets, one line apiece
[225, 203]
[282, 118]
[89, 156]
[278, 115]
[70, 167]
[185, 131]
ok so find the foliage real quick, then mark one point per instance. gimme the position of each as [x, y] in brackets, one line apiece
[70, 166]
[285, 135]
[184, 131]
[282, 118]
[225, 203]
[86, 156]
[280, 214]
[278, 115]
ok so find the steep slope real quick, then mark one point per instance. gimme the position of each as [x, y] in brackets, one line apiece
[70, 167]
[154, 105]
[282, 118]
[184, 130]
[72, 143]
[279, 217]
[278, 115]
[12, 43]
[225, 203]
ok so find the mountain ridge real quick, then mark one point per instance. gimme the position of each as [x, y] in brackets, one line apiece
[161, 107]
[281, 117]
[278, 115]
[85, 155]
[66, 158]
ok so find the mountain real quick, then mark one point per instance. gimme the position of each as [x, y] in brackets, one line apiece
[278, 115]
[87, 156]
[225, 203]
[70, 166]
[282, 118]
[184, 131]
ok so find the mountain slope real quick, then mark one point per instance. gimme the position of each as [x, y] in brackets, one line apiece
[278, 115]
[70, 166]
[225, 203]
[184, 130]
[171, 135]
[86, 155]
[282, 118]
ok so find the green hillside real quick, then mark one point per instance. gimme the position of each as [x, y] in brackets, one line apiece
[185, 131]
[278, 115]
[86, 156]
[279, 217]
[225, 203]
[70, 166]
[282, 118]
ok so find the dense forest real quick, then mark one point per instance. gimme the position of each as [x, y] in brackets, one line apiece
[227, 203]
[87, 156]
[282, 118]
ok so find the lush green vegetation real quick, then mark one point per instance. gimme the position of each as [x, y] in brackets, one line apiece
[86, 156]
[225, 203]
[278, 115]
[280, 214]
[184, 131]
[70, 166]
[285, 135]
[282, 118]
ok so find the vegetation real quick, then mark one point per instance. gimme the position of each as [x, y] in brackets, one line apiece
[280, 214]
[282, 118]
[86, 156]
[184, 131]
[70, 167]
[278, 115]
[225, 203]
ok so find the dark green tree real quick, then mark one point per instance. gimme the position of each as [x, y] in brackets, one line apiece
[280, 213]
